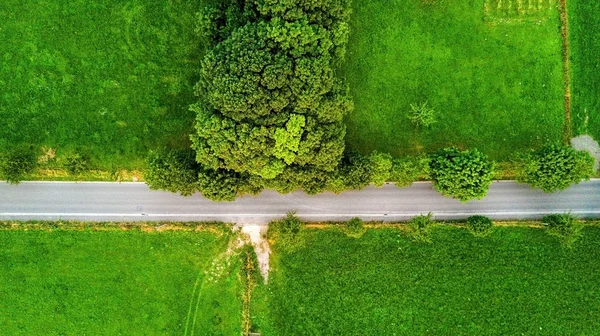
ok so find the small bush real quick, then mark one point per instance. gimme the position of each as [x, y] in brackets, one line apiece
[18, 163]
[355, 227]
[405, 171]
[420, 228]
[174, 171]
[77, 164]
[564, 227]
[422, 115]
[286, 234]
[480, 226]
[381, 165]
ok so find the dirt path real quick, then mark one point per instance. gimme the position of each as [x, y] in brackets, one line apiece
[257, 234]
[564, 32]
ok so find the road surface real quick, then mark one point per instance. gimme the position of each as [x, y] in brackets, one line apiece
[102, 201]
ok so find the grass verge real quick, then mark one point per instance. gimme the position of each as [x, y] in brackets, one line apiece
[149, 279]
[517, 280]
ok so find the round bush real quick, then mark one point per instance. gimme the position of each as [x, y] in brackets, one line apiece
[480, 225]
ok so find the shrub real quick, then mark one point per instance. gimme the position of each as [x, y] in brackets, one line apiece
[480, 226]
[77, 164]
[381, 165]
[356, 171]
[18, 163]
[219, 185]
[554, 167]
[422, 115]
[462, 175]
[420, 228]
[355, 227]
[286, 234]
[564, 227]
[404, 171]
[174, 171]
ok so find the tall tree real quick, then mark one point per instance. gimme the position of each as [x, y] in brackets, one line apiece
[271, 101]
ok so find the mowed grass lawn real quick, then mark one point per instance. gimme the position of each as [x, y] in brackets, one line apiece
[584, 22]
[518, 281]
[109, 79]
[118, 283]
[493, 76]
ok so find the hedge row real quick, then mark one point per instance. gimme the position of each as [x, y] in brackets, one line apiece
[463, 175]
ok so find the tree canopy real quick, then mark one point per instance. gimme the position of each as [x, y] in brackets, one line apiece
[555, 167]
[462, 175]
[269, 97]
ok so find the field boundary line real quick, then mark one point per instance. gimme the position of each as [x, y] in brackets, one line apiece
[564, 33]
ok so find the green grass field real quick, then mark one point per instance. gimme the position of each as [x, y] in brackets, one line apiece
[493, 75]
[117, 282]
[517, 281]
[109, 79]
[584, 23]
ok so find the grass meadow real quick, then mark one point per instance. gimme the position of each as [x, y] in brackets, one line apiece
[73, 282]
[492, 73]
[107, 79]
[584, 24]
[517, 281]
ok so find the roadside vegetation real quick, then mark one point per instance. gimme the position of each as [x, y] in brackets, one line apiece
[84, 278]
[453, 282]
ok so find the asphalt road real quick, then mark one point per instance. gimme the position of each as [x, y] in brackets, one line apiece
[135, 202]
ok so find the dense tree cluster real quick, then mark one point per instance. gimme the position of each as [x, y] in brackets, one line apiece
[555, 167]
[271, 106]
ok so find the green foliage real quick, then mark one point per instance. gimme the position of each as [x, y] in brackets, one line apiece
[462, 175]
[140, 283]
[381, 166]
[219, 185]
[422, 115]
[287, 140]
[77, 163]
[385, 283]
[355, 227]
[480, 226]
[17, 163]
[286, 234]
[564, 227]
[555, 167]
[480, 76]
[420, 228]
[404, 171]
[271, 104]
[311, 180]
[356, 171]
[174, 171]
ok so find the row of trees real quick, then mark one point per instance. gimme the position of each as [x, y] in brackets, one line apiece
[463, 175]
